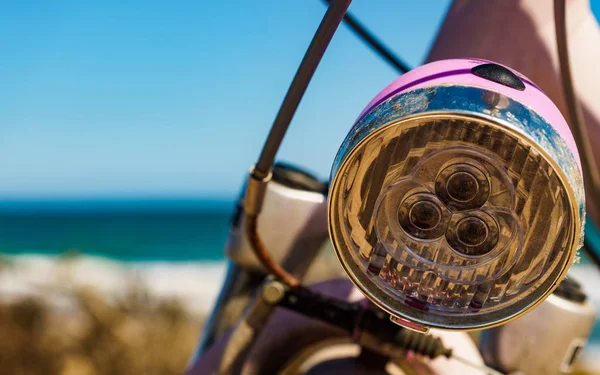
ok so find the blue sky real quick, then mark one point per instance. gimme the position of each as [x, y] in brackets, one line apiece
[147, 99]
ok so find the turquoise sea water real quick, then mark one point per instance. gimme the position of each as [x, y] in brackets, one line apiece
[129, 230]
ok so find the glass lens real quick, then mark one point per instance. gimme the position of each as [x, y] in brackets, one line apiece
[451, 216]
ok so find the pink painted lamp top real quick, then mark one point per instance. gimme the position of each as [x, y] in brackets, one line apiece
[458, 72]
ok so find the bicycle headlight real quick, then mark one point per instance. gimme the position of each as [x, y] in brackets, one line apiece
[457, 197]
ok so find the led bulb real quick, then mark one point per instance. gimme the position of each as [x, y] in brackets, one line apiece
[457, 201]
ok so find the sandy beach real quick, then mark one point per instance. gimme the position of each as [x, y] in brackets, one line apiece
[195, 284]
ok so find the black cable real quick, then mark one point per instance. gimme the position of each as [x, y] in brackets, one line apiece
[375, 44]
[318, 45]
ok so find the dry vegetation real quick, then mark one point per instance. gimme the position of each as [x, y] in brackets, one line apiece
[135, 334]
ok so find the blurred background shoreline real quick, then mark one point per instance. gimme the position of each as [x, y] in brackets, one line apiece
[78, 277]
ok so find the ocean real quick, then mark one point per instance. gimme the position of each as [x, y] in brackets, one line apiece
[125, 230]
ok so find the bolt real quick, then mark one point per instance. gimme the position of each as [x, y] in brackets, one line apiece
[273, 292]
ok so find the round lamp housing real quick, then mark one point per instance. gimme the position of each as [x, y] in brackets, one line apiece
[457, 197]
